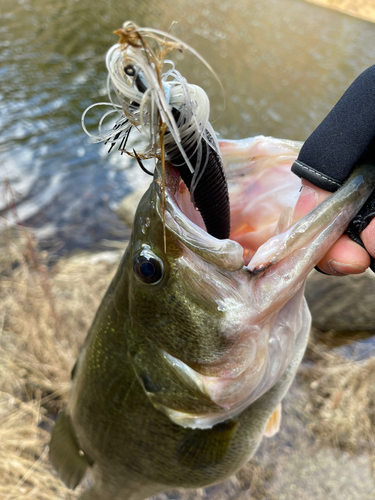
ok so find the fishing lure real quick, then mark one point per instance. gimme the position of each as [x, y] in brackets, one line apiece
[151, 96]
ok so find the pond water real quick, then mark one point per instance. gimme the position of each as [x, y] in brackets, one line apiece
[283, 64]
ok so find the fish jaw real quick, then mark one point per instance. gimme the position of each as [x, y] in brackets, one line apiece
[226, 254]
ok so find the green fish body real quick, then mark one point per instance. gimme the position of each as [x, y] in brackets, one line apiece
[191, 351]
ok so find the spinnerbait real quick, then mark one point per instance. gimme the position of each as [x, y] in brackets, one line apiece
[146, 97]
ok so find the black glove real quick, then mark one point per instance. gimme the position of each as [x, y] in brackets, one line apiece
[344, 139]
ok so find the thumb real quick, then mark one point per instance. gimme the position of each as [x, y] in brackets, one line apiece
[309, 198]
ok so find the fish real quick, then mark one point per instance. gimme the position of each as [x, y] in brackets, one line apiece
[198, 339]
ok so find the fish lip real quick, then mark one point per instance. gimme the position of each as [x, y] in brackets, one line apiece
[226, 254]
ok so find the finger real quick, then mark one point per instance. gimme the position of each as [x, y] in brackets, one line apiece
[345, 257]
[310, 197]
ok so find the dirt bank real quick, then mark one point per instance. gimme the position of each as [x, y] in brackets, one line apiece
[364, 9]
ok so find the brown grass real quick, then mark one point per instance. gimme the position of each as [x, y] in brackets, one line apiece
[44, 317]
[341, 400]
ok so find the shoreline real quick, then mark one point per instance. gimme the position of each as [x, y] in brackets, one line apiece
[362, 9]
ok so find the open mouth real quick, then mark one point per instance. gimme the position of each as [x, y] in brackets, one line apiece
[262, 195]
[264, 344]
[186, 223]
[268, 310]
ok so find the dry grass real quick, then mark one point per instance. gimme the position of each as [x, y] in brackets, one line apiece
[342, 400]
[44, 317]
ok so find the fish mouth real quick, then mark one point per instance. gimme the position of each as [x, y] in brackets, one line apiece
[184, 221]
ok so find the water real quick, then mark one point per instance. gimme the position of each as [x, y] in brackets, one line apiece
[283, 64]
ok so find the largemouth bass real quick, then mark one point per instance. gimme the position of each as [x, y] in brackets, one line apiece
[193, 349]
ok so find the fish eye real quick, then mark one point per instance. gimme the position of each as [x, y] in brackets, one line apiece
[148, 267]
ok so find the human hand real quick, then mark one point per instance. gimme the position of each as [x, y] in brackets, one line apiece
[344, 139]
